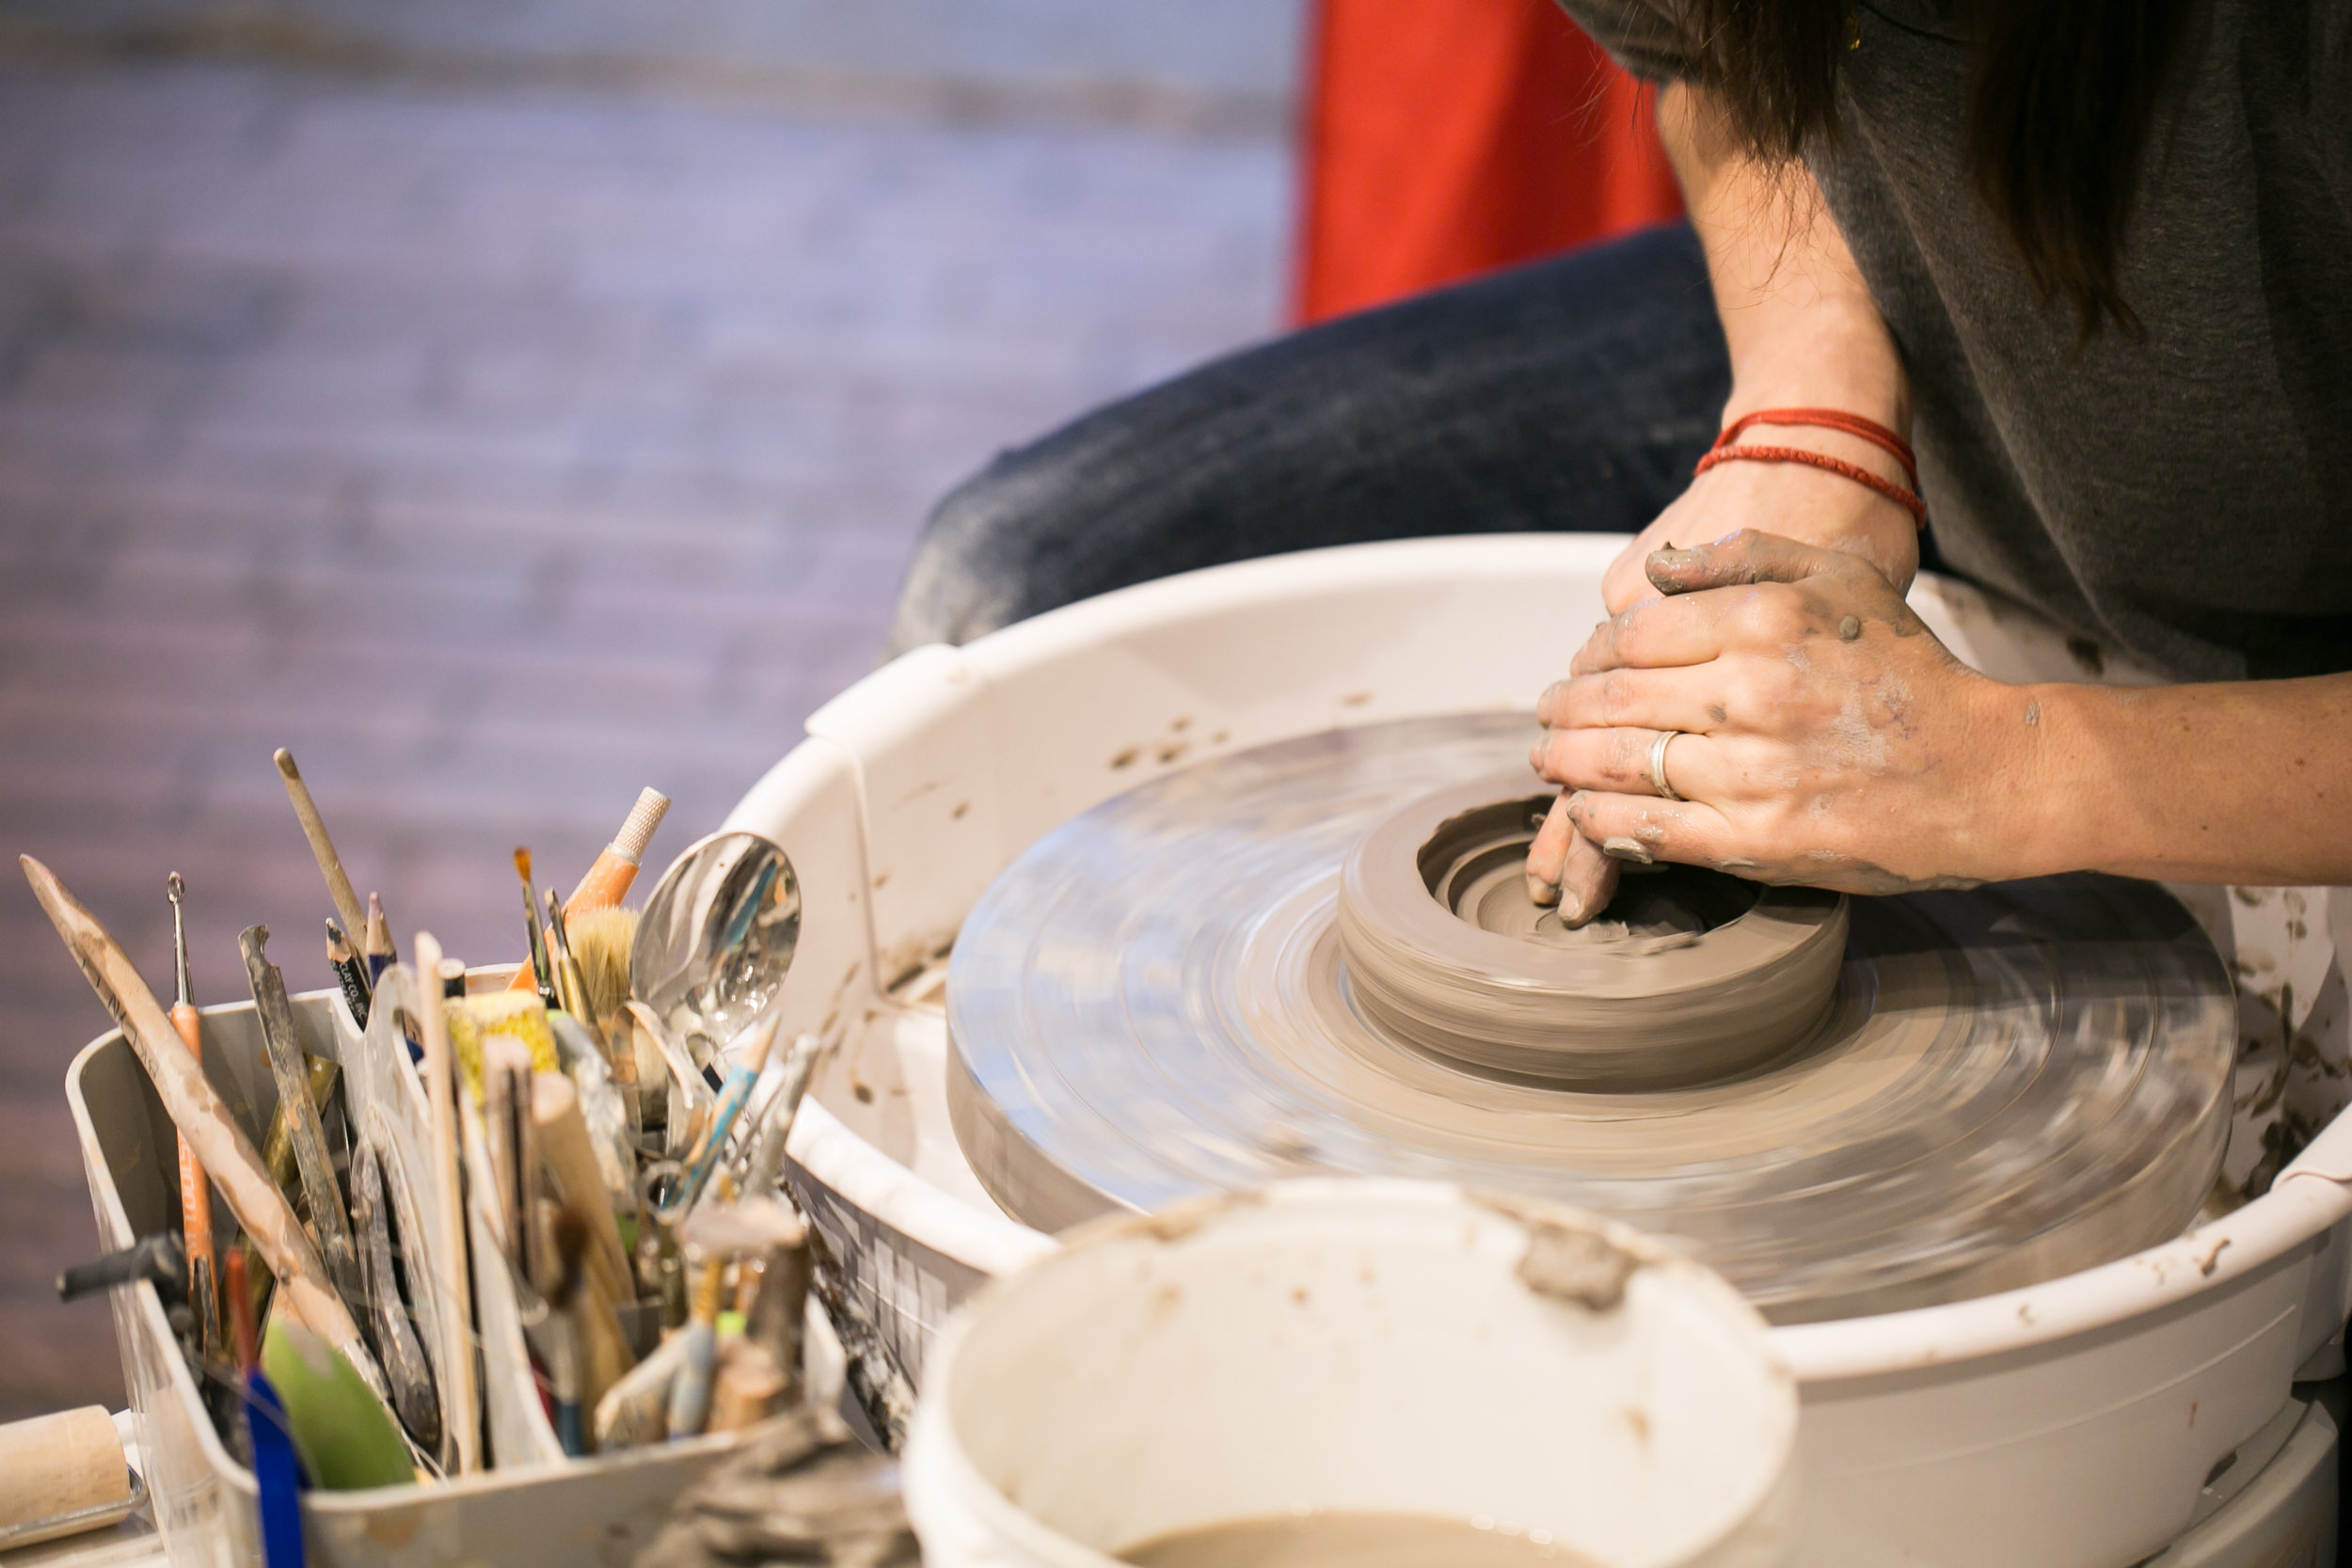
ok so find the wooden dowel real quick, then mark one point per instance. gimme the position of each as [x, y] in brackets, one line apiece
[461, 1406]
[322, 848]
[564, 1144]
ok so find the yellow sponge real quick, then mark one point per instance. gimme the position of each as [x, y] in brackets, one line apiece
[517, 1014]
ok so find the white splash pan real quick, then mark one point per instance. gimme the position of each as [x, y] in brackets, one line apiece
[2070, 1424]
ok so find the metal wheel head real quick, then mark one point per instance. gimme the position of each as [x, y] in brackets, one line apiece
[717, 939]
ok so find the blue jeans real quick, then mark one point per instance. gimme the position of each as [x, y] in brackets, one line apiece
[1574, 394]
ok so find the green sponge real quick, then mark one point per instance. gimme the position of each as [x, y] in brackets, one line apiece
[345, 1437]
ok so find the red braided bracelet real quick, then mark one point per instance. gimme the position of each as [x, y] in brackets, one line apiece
[1826, 419]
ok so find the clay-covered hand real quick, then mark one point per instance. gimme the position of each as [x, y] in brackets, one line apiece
[1789, 499]
[1824, 735]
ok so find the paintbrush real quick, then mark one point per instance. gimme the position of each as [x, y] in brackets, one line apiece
[281, 1039]
[609, 879]
[542, 972]
[706, 1155]
[196, 1109]
[513, 1148]
[269, 1438]
[351, 974]
[461, 1409]
[375, 942]
[690, 1395]
[571, 986]
[599, 941]
[587, 1329]
[196, 1192]
[321, 848]
[571, 1252]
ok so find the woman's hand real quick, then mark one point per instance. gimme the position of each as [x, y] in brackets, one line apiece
[1789, 499]
[1823, 736]
[1786, 500]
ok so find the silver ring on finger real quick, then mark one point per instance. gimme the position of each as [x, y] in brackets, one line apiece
[1658, 765]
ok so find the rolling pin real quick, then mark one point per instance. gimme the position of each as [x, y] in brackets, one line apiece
[61, 1474]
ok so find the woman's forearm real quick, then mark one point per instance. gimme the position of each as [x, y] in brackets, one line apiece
[2246, 782]
[1797, 319]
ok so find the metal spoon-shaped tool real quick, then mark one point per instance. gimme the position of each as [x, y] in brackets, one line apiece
[715, 941]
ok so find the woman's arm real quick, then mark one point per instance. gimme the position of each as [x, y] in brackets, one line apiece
[1802, 333]
[2245, 782]
[1825, 737]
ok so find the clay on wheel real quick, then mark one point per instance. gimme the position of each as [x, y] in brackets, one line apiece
[1689, 976]
[2013, 1082]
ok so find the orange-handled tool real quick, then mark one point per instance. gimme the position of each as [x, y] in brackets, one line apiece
[608, 881]
[196, 1192]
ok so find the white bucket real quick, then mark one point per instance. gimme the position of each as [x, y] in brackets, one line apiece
[1327, 1346]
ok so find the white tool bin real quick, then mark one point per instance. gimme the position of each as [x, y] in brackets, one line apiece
[2074, 1424]
[598, 1511]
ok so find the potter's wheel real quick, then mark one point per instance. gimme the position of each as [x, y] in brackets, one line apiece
[2000, 1086]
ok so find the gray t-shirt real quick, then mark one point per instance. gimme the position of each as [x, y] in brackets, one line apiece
[2186, 497]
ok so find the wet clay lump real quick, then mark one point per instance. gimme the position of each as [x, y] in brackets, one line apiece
[1689, 976]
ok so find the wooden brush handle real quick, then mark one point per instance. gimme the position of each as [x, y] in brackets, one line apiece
[347, 905]
[564, 1148]
[461, 1396]
[228, 1155]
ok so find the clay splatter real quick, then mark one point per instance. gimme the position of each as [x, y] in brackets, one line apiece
[1578, 1266]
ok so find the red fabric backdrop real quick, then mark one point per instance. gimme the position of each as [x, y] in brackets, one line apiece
[1447, 138]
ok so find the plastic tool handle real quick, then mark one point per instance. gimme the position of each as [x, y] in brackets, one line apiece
[196, 1192]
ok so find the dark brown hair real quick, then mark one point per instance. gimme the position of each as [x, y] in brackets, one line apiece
[2059, 118]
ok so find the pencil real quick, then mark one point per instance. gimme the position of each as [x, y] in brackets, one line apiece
[375, 942]
[350, 972]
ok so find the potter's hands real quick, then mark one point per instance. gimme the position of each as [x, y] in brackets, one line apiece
[1789, 499]
[1786, 499]
[1827, 738]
